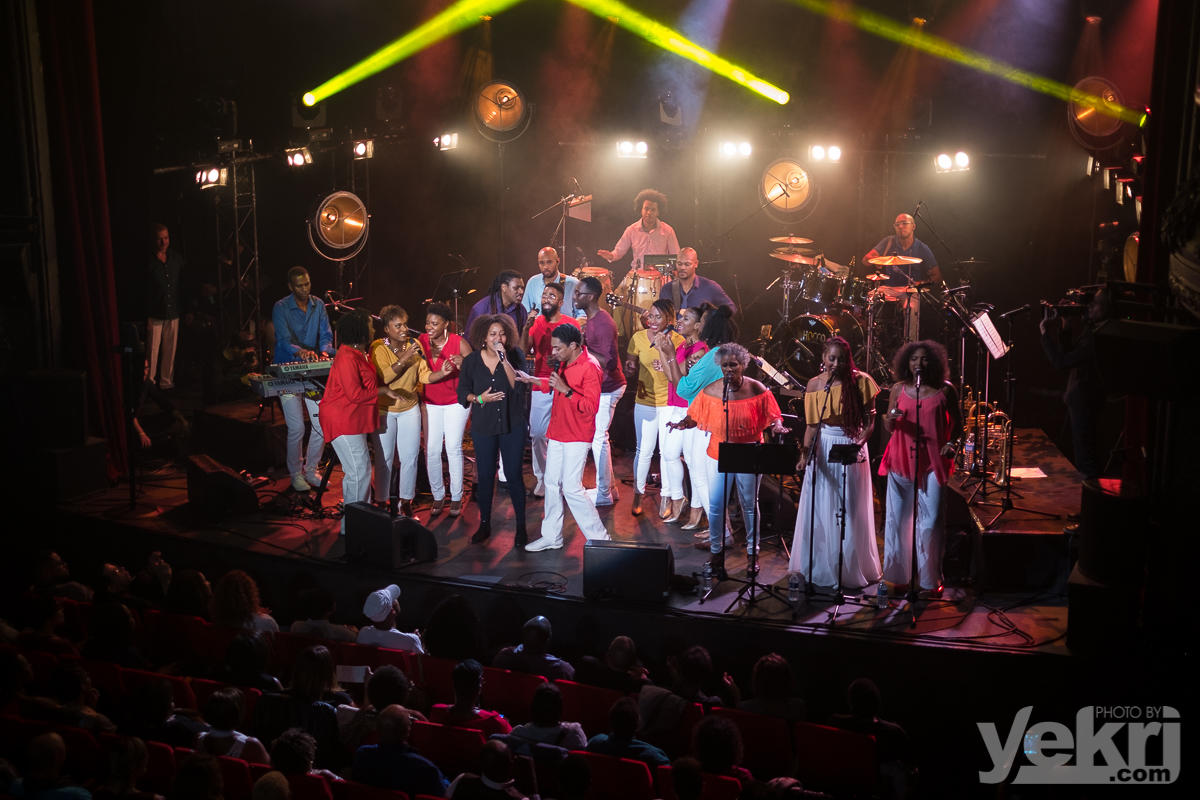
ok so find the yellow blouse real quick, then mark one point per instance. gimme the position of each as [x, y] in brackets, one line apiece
[406, 383]
[817, 408]
[652, 385]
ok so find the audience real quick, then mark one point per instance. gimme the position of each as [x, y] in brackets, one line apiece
[619, 670]
[151, 714]
[197, 777]
[531, 656]
[272, 785]
[294, 752]
[44, 779]
[236, 604]
[495, 780]
[453, 630]
[246, 664]
[387, 686]
[316, 607]
[111, 632]
[382, 607]
[893, 749]
[772, 683]
[127, 762]
[717, 745]
[619, 741]
[465, 711]
[75, 699]
[224, 711]
[392, 764]
[43, 619]
[309, 704]
[190, 593]
[545, 724]
[688, 777]
[52, 576]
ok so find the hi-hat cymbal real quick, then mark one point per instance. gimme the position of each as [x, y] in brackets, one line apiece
[789, 239]
[878, 276]
[892, 261]
[796, 258]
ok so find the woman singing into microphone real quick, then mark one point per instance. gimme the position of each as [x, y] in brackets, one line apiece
[839, 408]
[923, 463]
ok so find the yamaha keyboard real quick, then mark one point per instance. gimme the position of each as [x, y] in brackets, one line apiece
[301, 369]
[266, 386]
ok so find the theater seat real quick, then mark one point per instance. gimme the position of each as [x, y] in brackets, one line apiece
[617, 777]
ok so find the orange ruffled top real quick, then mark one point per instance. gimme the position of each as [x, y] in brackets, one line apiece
[748, 417]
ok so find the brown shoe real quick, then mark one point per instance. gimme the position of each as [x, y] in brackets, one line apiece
[455, 507]
[637, 505]
[437, 507]
[406, 508]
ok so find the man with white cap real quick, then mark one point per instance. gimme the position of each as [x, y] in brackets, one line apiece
[381, 608]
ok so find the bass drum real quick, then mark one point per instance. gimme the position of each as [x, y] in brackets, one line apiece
[797, 346]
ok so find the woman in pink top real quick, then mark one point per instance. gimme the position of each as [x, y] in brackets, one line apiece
[924, 464]
[445, 418]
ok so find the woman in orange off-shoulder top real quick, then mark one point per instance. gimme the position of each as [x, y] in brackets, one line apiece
[752, 409]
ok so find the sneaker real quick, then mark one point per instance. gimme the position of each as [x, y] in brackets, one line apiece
[299, 484]
[603, 500]
[539, 490]
[544, 543]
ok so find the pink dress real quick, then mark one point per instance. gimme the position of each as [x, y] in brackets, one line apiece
[935, 432]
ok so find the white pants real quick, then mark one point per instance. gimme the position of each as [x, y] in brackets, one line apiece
[564, 479]
[650, 423]
[161, 335]
[351, 449]
[897, 531]
[695, 452]
[445, 424]
[539, 422]
[399, 432]
[601, 449]
[293, 406]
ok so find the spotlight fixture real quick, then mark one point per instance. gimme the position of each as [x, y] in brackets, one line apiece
[959, 162]
[338, 230]
[631, 149]
[787, 190]
[501, 111]
[363, 149]
[298, 156]
[735, 149]
[831, 153]
[447, 141]
[1090, 113]
[208, 177]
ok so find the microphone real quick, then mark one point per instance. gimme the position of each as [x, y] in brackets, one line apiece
[575, 181]
[959, 289]
[917, 210]
[1015, 311]
[500, 351]
[917, 375]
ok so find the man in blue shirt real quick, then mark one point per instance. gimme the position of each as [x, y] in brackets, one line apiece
[392, 764]
[547, 261]
[302, 333]
[905, 243]
[688, 290]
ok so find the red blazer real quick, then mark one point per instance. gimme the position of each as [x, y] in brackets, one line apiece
[348, 406]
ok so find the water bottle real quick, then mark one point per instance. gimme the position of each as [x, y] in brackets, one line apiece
[881, 600]
[969, 453]
[706, 578]
[794, 588]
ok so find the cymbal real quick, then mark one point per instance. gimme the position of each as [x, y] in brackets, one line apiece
[878, 276]
[789, 239]
[892, 261]
[795, 258]
[970, 262]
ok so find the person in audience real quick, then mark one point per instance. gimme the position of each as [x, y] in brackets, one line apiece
[236, 604]
[151, 715]
[198, 777]
[111, 631]
[294, 752]
[495, 780]
[113, 585]
[387, 686]
[465, 712]
[43, 619]
[77, 698]
[620, 669]
[272, 785]
[15, 675]
[126, 763]
[190, 594]
[246, 664]
[620, 740]
[531, 656]
[454, 631]
[574, 778]
[392, 764]
[44, 779]
[152, 581]
[546, 724]
[316, 608]
[224, 711]
[382, 607]
[691, 674]
[893, 748]
[772, 682]
[52, 576]
[314, 677]
[717, 745]
[309, 703]
[688, 778]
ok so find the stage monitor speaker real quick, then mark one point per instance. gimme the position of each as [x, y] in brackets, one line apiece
[374, 536]
[216, 491]
[627, 571]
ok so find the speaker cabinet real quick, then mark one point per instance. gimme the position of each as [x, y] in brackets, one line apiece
[216, 491]
[627, 571]
[374, 536]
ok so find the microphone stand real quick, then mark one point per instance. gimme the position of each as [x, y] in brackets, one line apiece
[913, 580]
[725, 500]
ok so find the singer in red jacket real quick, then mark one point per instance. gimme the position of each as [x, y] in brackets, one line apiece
[575, 388]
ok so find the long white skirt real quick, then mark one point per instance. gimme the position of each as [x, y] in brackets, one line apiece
[861, 565]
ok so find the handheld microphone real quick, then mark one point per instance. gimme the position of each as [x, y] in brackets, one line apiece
[917, 375]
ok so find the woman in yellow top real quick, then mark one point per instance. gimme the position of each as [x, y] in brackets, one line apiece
[839, 408]
[401, 366]
[652, 411]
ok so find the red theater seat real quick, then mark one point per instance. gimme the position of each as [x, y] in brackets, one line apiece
[766, 742]
[454, 750]
[349, 790]
[587, 705]
[617, 777]
[714, 787]
[831, 759]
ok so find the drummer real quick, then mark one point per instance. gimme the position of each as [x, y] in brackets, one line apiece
[547, 261]
[689, 290]
[905, 243]
[648, 236]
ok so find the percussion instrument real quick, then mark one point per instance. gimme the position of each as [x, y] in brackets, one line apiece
[798, 344]
[602, 274]
[787, 254]
[854, 292]
[821, 287]
[893, 261]
[789, 239]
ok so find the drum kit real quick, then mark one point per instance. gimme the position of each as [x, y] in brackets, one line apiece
[834, 302]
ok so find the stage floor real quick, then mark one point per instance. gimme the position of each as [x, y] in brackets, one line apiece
[977, 610]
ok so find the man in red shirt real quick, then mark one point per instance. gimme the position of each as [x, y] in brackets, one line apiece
[575, 388]
[536, 337]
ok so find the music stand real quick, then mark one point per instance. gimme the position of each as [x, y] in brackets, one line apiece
[450, 288]
[759, 459]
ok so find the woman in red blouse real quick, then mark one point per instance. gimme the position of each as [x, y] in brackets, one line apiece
[347, 411]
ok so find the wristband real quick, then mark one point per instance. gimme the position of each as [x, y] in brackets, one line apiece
[479, 399]
[568, 392]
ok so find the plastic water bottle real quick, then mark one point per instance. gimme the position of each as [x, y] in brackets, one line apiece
[794, 588]
[969, 453]
[706, 578]
[881, 597]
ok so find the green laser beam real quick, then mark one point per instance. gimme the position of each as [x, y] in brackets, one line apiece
[887, 28]
[671, 40]
[457, 17]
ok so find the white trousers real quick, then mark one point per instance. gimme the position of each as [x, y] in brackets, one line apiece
[601, 449]
[539, 423]
[897, 531]
[650, 424]
[564, 479]
[294, 406]
[351, 449]
[399, 433]
[161, 336]
[445, 425]
[695, 452]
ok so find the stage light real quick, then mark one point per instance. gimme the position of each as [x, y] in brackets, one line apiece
[744, 149]
[727, 149]
[501, 112]
[363, 148]
[816, 152]
[671, 40]
[735, 150]
[834, 153]
[641, 148]
[447, 141]
[298, 156]
[788, 189]
[959, 162]
[338, 230]
[943, 162]
[207, 177]
[962, 161]
[630, 149]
